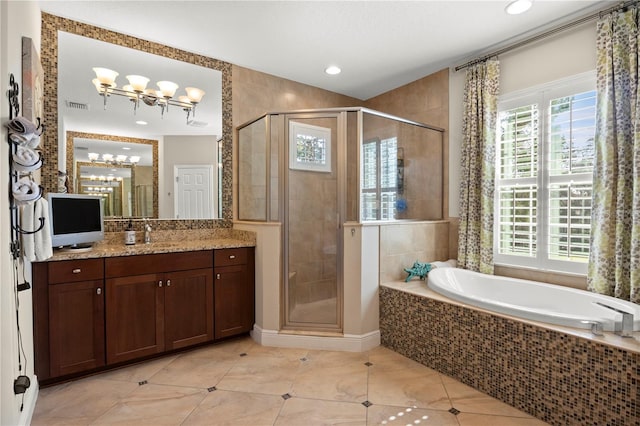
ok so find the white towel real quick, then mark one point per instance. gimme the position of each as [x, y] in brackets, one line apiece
[22, 125]
[37, 246]
[43, 247]
[26, 159]
[25, 190]
[30, 140]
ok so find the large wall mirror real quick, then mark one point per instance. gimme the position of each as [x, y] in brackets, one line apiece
[172, 147]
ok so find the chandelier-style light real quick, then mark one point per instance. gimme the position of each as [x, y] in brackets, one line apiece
[136, 90]
[119, 160]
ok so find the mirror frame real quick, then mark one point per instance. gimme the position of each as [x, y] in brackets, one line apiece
[71, 170]
[51, 24]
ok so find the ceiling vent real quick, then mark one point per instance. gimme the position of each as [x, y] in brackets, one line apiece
[76, 105]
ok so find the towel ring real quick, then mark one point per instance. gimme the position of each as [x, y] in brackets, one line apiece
[22, 231]
[35, 197]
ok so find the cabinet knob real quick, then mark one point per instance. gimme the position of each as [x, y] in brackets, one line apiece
[168, 283]
[217, 276]
[98, 290]
[77, 271]
[232, 257]
[160, 283]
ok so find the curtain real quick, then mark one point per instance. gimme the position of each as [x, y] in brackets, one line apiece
[475, 240]
[614, 262]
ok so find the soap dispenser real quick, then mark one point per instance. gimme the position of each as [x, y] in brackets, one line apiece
[130, 234]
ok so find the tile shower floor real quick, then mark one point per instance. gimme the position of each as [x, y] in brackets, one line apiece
[242, 383]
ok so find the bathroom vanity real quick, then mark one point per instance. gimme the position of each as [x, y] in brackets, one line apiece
[117, 305]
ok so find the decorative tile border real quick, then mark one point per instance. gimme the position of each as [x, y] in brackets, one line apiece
[51, 24]
[555, 377]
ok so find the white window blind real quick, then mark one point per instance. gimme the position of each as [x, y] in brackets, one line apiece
[379, 179]
[544, 164]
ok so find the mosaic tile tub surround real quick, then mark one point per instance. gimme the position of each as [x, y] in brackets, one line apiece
[556, 377]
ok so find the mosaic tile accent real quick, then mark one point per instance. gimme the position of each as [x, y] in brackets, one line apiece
[556, 377]
[51, 24]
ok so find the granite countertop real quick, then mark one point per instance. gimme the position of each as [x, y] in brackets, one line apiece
[163, 242]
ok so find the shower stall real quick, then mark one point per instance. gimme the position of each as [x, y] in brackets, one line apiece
[319, 172]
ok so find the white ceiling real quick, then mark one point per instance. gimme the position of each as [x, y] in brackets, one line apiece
[380, 45]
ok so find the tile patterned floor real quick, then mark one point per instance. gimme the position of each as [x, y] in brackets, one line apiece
[242, 383]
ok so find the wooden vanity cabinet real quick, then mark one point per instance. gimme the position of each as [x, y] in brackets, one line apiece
[74, 326]
[234, 291]
[168, 306]
[93, 313]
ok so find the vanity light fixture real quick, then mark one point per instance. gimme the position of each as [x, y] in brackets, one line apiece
[119, 159]
[136, 90]
[518, 6]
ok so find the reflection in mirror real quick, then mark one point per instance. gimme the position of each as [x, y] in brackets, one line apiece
[124, 171]
[53, 139]
[187, 140]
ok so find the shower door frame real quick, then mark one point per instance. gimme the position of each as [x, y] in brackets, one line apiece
[340, 147]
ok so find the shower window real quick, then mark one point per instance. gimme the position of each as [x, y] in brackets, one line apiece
[544, 163]
[309, 147]
[379, 179]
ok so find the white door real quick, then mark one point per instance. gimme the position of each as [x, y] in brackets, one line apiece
[193, 186]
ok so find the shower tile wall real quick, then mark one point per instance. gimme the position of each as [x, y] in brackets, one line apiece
[312, 230]
[252, 200]
[423, 165]
[403, 243]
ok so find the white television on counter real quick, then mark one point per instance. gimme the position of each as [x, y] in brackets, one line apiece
[76, 220]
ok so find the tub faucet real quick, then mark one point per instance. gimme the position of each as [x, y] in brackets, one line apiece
[623, 328]
[147, 232]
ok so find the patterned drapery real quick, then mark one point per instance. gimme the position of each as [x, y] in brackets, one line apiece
[477, 182]
[614, 262]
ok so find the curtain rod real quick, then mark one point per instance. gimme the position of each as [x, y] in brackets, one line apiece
[548, 33]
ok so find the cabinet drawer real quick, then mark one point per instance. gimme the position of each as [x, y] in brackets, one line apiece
[227, 257]
[156, 263]
[66, 271]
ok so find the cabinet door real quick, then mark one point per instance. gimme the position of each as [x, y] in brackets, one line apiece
[135, 317]
[188, 304]
[76, 327]
[233, 301]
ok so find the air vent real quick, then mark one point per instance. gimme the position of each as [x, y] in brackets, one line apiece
[196, 123]
[76, 105]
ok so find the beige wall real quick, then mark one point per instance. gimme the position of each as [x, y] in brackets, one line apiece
[402, 244]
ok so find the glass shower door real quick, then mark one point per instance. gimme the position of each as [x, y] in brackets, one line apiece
[312, 235]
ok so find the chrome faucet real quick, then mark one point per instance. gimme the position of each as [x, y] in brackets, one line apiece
[623, 328]
[147, 232]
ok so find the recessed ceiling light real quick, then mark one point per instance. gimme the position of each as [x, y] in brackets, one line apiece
[126, 148]
[142, 123]
[333, 70]
[518, 6]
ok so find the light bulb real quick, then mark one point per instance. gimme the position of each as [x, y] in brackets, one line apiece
[195, 95]
[106, 76]
[138, 82]
[167, 88]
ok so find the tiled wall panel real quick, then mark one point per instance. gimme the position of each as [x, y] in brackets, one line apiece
[558, 378]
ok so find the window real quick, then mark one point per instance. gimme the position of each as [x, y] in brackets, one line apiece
[309, 147]
[379, 179]
[544, 173]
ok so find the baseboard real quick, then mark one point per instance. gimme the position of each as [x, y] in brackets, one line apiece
[346, 342]
[30, 398]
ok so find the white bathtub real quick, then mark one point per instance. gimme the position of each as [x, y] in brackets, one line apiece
[530, 299]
